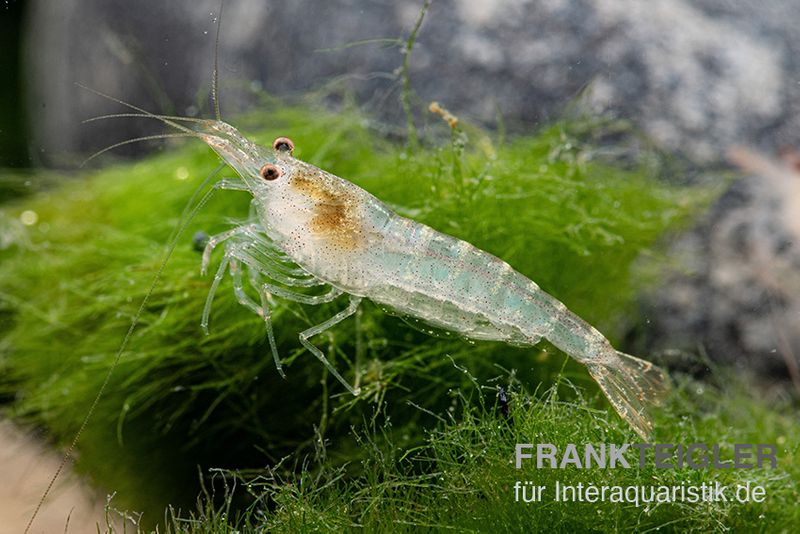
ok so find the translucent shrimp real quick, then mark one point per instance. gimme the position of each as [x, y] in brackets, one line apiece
[308, 227]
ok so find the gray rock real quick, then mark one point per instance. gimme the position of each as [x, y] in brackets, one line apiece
[735, 293]
[698, 75]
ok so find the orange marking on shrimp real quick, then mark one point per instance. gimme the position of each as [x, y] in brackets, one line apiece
[336, 212]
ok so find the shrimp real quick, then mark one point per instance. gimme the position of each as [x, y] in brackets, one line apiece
[310, 228]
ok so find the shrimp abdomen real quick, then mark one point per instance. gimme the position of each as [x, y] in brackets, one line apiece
[452, 284]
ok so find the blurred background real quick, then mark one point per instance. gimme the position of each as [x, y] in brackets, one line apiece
[714, 83]
[697, 75]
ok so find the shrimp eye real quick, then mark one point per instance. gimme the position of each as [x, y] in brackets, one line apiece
[270, 171]
[283, 144]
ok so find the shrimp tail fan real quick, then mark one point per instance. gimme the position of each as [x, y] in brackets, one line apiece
[633, 387]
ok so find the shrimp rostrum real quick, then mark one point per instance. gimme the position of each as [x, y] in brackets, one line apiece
[310, 228]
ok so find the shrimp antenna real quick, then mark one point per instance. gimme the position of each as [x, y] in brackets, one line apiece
[143, 116]
[134, 140]
[173, 242]
[215, 74]
[136, 108]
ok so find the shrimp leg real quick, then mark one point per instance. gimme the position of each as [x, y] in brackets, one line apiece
[263, 310]
[213, 242]
[255, 250]
[216, 240]
[231, 184]
[244, 299]
[314, 330]
[212, 291]
[235, 255]
[267, 316]
[231, 262]
[257, 258]
[261, 268]
[294, 296]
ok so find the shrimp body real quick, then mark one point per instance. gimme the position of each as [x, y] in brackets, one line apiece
[335, 234]
[453, 285]
[353, 241]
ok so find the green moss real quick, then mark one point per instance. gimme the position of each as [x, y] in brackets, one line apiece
[463, 477]
[551, 204]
